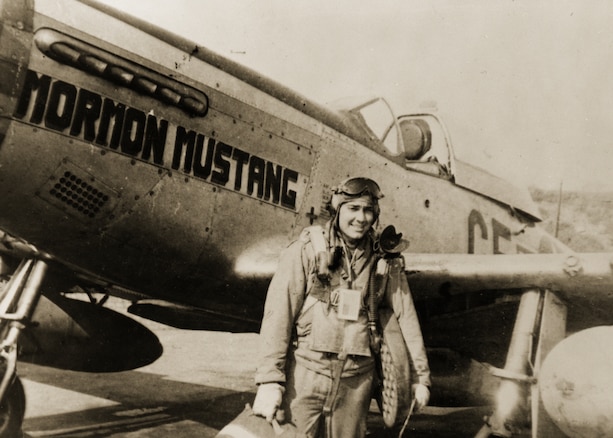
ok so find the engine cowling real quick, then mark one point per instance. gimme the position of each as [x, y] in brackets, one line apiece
[576, 383]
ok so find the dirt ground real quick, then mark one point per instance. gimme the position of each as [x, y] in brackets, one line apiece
[202, 381]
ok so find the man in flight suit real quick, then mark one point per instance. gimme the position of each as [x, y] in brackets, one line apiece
[316, 364]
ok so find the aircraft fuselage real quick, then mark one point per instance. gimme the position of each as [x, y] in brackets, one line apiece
[128, 157]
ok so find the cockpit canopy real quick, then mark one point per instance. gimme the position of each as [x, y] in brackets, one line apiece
[417, 141]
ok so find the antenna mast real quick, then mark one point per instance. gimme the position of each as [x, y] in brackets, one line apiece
[559, 209]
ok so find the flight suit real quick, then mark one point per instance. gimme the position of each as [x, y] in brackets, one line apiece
[324, 362]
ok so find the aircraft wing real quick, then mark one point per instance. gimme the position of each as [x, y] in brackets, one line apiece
[581, 276]
[515, 313]
[583, 281]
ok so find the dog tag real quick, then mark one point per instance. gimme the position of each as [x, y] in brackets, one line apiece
[349, 304]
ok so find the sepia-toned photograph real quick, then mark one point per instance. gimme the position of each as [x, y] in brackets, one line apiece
[318, 219]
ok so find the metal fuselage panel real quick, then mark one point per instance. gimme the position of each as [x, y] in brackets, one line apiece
[126, 177]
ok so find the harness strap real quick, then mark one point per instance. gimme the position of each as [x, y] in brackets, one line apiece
[336, 370]
[376, 287]
[315, 234]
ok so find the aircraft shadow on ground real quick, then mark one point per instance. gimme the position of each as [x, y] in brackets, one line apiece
[150, 401]
[143, 400]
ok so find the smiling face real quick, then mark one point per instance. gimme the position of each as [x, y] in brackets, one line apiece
[355, 219]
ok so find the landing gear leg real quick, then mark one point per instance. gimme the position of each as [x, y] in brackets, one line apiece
[17, 303]
[12, 409]
[552, 331]
[517, 372]
[540, 324]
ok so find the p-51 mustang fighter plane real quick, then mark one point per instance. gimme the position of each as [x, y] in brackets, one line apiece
[136, 164]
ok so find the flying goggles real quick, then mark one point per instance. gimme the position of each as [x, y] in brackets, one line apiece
[358, 187]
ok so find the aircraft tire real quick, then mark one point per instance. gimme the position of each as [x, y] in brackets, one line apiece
[12, 411]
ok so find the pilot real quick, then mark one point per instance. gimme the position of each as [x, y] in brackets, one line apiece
[316, 367]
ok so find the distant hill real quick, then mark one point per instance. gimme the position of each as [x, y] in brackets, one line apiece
[586, 219]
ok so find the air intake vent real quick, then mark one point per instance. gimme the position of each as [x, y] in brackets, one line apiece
[78, 193]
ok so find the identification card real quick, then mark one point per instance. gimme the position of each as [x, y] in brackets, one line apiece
[349, 304]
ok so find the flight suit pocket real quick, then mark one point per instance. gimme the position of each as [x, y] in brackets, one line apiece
[333, 335]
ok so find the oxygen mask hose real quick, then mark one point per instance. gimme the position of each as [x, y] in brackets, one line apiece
[377, 278]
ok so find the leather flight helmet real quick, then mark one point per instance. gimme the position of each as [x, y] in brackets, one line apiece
[353, 188]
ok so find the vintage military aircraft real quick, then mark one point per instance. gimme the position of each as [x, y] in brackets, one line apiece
[134, 163]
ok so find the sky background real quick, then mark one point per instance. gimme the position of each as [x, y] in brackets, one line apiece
[524, 87]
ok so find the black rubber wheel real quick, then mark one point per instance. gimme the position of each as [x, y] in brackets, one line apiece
[12, 411]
